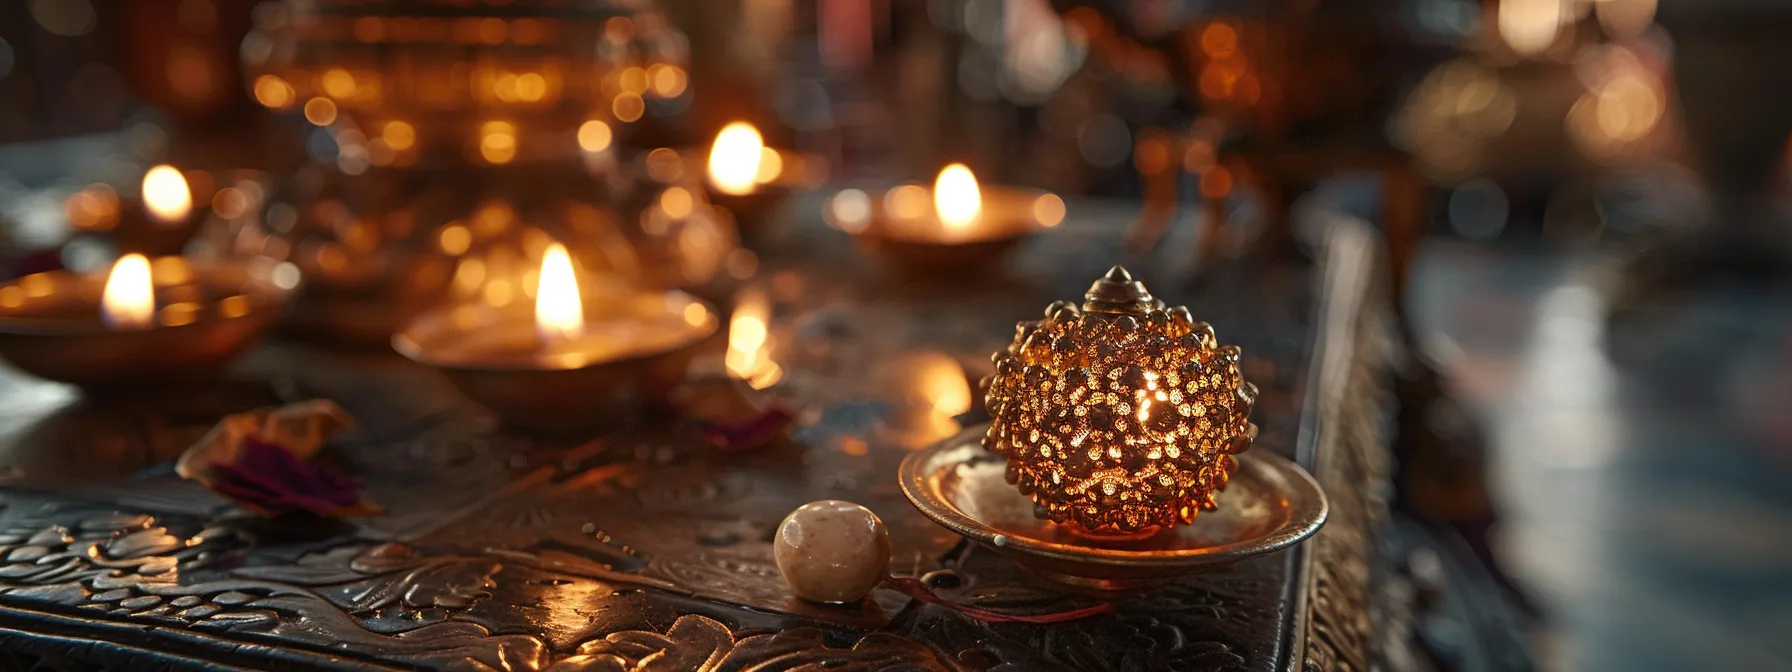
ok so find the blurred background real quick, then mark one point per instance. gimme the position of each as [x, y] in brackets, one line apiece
[1582, 199]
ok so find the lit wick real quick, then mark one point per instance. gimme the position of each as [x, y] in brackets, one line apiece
[559, 314]
[956, 198]
[129, 301]
[734, 159]
[166, 196]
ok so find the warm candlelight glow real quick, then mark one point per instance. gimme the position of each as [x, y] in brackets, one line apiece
[497, 141]
[956, 197]
[735, 157]
[559, 314]
[749, 341]
[941, 381]
[595, 136]
[129, 301]
[165, 195]
[1048, 210]
[771, 165]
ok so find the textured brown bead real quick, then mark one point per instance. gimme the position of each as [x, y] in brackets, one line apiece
[1121, 417]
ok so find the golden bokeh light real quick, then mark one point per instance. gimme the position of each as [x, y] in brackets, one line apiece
[632, 79]
[398, 135]
[595, 135]
[771, 165]
[735, 157]
[677, 202]
[908, 201]
[455, 239]
[274, 93]
[94, 208]
[320, 111]
[628, 107]
[338, 83]
[667, 81]
[1530, 27]
[531, 87]
[1048, 210]
[497, 141]
[166, 196]
[665, 165]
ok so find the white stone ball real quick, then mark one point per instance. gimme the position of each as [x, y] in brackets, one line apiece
[832, 551]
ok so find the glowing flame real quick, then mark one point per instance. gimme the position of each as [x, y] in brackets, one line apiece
[749, 341]
[130, 298]
[734, 159]
[165, 194]
[559, 314]
[956, 198]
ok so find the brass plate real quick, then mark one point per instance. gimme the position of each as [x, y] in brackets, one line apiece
[1270, 504]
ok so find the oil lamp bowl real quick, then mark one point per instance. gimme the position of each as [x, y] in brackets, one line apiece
[1269, 505]
[1006, 222]
[558, 398]
[753, 210]
[918, 256]
[59, 335]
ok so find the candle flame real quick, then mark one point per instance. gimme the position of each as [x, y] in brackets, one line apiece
[559, 314]
[748, 341]
[129, 301]
[735, 157]
[165, 194]
[956, 198]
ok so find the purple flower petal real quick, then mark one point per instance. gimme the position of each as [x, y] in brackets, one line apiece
[270, 478]
[749, 433]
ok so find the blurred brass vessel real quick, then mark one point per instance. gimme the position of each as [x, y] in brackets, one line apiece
[56, 332]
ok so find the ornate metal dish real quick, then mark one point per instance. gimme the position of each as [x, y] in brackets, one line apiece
[1270, 504]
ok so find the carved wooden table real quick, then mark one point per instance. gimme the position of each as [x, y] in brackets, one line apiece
[644, 549]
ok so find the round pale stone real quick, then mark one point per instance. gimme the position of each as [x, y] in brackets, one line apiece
[832, 551]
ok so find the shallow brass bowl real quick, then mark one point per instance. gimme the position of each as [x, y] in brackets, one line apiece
[921, 249]
[753, 210]
[916, 256]
[560, 398]
[58, 335]
[1270, 504]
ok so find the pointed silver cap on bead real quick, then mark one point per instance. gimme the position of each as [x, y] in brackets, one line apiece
[1118, 292]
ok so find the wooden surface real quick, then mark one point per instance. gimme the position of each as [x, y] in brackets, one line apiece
[643, 546]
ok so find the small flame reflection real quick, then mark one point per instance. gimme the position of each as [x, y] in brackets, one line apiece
[129, 301]
[942, 382]
[559, 314]
[749, 342]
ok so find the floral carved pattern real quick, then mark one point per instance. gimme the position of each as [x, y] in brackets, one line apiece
[698, 643]
[642, 551]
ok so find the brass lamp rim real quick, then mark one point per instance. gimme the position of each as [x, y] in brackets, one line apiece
[264, 298]
[1110, 565]
[407, 343]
